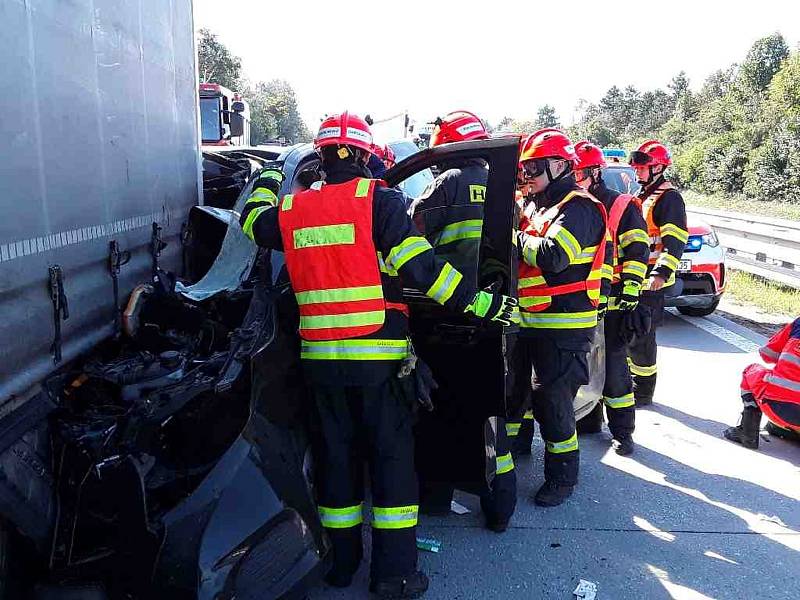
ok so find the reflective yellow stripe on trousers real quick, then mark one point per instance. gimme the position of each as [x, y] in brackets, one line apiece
[341, 518]
[394, 517]
[505, 464]
[568, 445]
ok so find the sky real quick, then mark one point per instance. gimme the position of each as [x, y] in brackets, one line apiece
[493, 58]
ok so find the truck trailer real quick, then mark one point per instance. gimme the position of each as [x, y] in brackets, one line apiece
[140, 456]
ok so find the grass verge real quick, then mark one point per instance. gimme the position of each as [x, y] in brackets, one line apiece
[767, 296]
[777, 210]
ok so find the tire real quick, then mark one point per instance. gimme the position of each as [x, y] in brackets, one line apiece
[699, 311]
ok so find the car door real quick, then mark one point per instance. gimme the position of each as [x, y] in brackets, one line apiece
[456, 441]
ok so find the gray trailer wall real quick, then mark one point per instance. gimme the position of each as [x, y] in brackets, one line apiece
[98, 139]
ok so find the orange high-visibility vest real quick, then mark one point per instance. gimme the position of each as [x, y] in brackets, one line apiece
[614, 217]
[332, 260]
[653, 231]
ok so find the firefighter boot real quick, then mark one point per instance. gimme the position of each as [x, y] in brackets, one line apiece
[552, 494]
[746, 432]
[407, 586]
[623, 445]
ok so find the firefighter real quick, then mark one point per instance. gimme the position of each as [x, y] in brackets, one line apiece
[665, 214]
[562, 251]
[630, 249]
[450, 215]
[774, 392]
[346, 242]
[450, 211]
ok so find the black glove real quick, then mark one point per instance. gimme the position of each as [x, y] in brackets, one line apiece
[629, 299]
[494, 307]
[424, 384]
[602, 307]
[636, 323]
[270, 177]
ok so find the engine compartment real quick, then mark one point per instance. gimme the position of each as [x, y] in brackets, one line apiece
[141, 422]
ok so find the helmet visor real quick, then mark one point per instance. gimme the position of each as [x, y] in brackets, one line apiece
[640, 159]
[534, 168]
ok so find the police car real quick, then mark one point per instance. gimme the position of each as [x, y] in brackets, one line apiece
[701, 275]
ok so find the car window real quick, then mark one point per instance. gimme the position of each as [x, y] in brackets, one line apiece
[416, 184]
[468, 216]
[622, 179]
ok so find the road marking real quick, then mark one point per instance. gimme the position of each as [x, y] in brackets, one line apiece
[734, 339]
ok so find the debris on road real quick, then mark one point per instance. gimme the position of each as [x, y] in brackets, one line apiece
[457, 508]
[773, 519]
[429, 545]
[586, 590]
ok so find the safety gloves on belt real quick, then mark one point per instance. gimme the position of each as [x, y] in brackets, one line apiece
[629, 299]
[494, 307]
[602, 307]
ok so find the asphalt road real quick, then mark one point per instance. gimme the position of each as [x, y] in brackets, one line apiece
[688, 516]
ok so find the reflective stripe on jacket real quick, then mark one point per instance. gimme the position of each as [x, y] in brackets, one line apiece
[537, 287]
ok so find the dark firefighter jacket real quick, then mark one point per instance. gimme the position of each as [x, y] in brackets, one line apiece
[450, 214]
[565, 261]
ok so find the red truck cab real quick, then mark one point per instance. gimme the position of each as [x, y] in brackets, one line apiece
[224, 116]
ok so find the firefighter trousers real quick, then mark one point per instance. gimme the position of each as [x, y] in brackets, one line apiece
[643, 351]
[618, 388]
[372, 425]
[555, 372]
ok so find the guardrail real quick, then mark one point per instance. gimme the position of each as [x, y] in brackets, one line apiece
[764, 246]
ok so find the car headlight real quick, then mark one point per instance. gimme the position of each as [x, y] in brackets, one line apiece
[711, 239]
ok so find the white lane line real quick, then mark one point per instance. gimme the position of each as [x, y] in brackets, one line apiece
[734, 339]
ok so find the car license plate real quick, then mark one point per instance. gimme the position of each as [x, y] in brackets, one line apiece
[685, 265]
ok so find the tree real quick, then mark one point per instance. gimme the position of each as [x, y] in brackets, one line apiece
[546, 117]
[274, 113]
[216, 64]
[763, 60]
[783, 96]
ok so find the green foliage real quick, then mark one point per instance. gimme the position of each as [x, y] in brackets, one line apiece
[763, 62]
[273, 104]
[783, 96]
[738, 135]
[273, 108]
[215, 62]
[546, 117]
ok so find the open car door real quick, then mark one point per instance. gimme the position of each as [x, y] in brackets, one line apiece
[456, 441]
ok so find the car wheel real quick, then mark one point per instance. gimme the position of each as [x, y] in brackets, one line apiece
[699, 311]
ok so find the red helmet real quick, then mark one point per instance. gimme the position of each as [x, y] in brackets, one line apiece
[458, 126]
[388, 157]
[548, 143]
[589, 156]
[344, 130]
[378, 151]
[651, 153]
